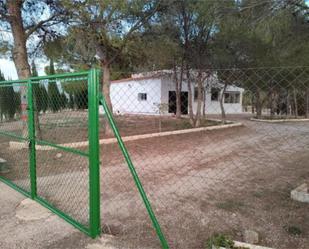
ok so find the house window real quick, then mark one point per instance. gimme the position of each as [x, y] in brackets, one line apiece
[215, 94]
[142, 96]
[232, 97]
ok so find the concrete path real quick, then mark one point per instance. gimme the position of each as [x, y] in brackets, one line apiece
[25, 224]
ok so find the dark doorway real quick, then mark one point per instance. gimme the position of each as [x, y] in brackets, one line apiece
[172, 102]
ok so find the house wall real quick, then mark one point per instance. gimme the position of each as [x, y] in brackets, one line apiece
[124, 96]
[212, 107]
[125, 100]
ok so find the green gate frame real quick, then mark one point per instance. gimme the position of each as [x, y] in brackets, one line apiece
[94, 99]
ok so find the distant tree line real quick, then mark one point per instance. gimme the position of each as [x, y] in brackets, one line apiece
[9, 101]
[48, 96]
[56, 96]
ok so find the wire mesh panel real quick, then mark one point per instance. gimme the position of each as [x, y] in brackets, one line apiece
[122, 210]
[50, 144]
[217, 152]
[61, 118]
[62, 110]
[62, 163]
[63, 181]
[14, 155]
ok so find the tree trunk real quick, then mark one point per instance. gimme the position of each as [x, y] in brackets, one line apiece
[307, 102]
[38, 131]
[288, 104]
[20, 58]
[199, 101]
[190, 102]
[106, 85]
[258, 103]
[178, 86]
[106, 93]
[295, 102]
[204, 102]
[272, 103]
[252, 103]
[178, 100]
[223, 115]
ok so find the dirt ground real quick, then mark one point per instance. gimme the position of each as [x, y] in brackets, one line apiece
[32, 230]
[219, 182]
[223, 181]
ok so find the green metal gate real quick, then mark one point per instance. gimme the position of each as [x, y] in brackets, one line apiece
[51, 145]
[49, 174]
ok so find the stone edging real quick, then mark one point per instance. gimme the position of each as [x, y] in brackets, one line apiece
[19, 145]
[300, 193]
[279, 120]
[242, 244]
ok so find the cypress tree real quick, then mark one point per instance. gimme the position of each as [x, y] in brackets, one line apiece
[11, 107]
[34, 72]
[36, 89]
[44, 97]
[53, 91]
[71, 101]
[9, 101]
[64, 100]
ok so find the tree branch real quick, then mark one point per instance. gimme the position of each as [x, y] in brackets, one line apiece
[135, 27]
[142, 20]
[33, 28]
[3, 17]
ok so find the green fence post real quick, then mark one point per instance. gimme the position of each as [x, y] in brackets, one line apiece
[31, 137]
[94, 164]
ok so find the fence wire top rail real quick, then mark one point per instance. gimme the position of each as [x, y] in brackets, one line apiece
[47, 77]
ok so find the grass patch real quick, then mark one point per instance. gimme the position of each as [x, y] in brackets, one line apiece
[258, 194]
[184, 123]
[293, 230]
[230, 205]
[275, 117]
[219, 240]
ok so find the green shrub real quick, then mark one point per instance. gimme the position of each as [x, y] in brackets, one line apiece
[220, 240]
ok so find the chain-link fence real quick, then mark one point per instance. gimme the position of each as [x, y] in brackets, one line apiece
[41, 120]
[217, 151]
[14, 165]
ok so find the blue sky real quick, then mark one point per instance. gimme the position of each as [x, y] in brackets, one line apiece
[7, 67]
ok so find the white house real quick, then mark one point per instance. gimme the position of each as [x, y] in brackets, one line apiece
[154, 93]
